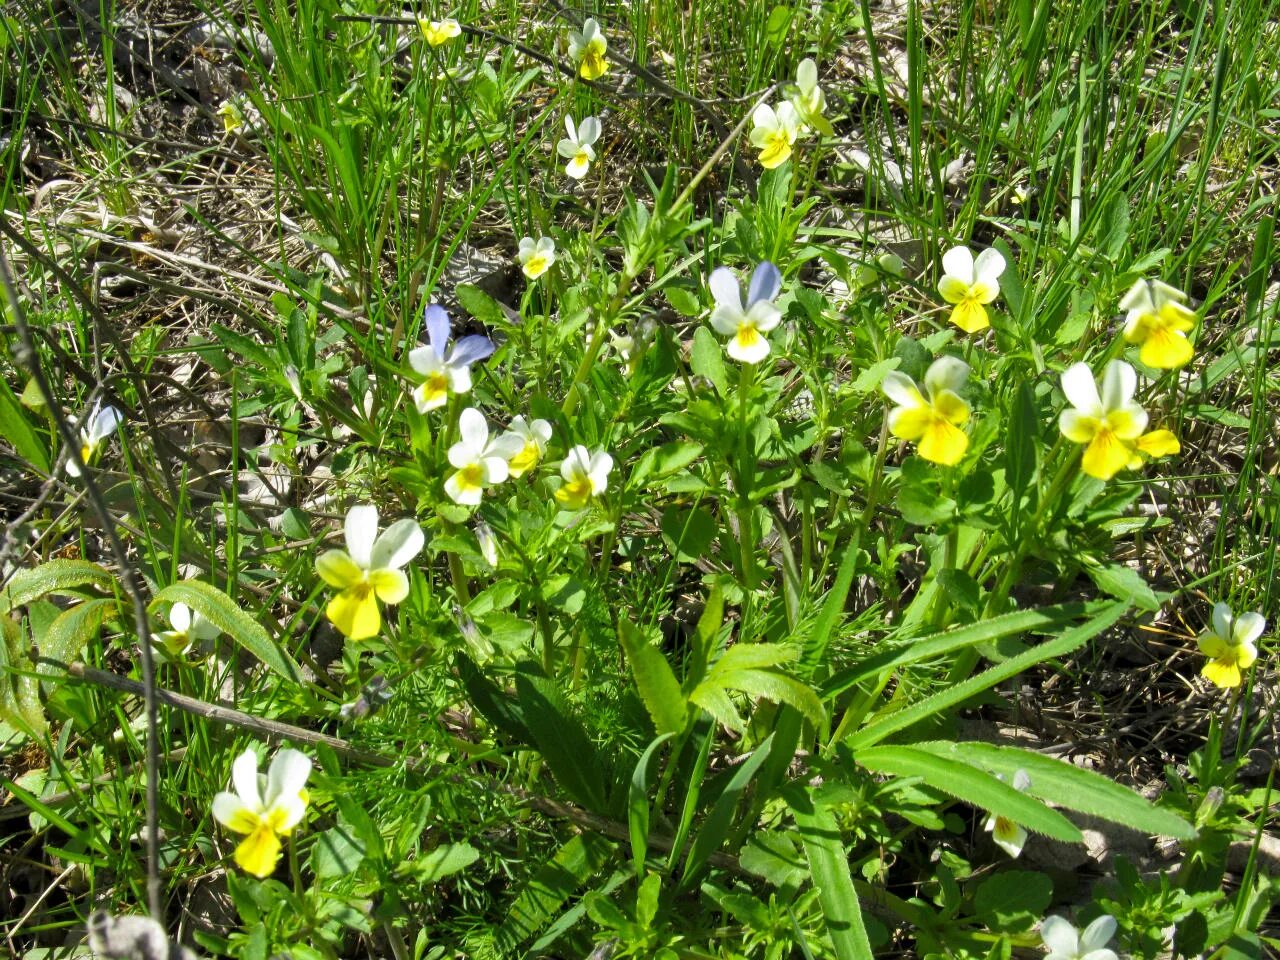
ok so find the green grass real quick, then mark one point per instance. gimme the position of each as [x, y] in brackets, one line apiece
[644, 724]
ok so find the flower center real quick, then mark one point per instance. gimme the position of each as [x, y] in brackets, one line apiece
[471, 477]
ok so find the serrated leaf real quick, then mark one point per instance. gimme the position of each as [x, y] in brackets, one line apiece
[638, 804]
[72, 629]
[778, 687]
[656, 681]
[57, 575]
[973, 786]
[544, 895]
[225, 614]
[562, 740]
[1123, 583]
[1069, 786]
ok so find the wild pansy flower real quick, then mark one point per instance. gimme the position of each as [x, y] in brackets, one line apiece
[264, 809]
[808, 99]
[487, 543]
[98, 427]
[931, 418]
[585, 474]
[437, 32]
[746, 326]
[1157, 319]
[447, 369]
[970, 284]
[1111, 423]
[1010, 837]
[232, 116]
[1230, 645]
[774, 132]
[189, 627]
[587, 49]
[578, 146]
[478, 461]
[368, 570]
[529, 440]
[1067, 943]
[536, 256]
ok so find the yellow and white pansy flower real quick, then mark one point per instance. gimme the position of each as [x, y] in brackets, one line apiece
[188, 627]
[809, 100]
[970, 284]
[1230, 644]
[478, 461]
[536, 256]
[931, 418]
[1157, 319]
[1111, 423]
[98, 426]
[529, 439]
[1065, 942]
[585, 475]
[437, 32]
[444, 367]
[774, 132]
[1010, 837]
[746, 326]
[264, 809]
[579, 146]
[587, 50]
[368, 570]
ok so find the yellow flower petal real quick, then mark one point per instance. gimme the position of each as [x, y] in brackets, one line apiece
[1105, 456]
[970, 315]
[525, 460]
[1222, 673]
[1165, 349]
[594, 65]
[909, 423]
[950, 407]
[776, 150]
[1159, 443]
[575, 493]
[390, 586]
[258, 852]
[943, 442]
[354, 611]
[337, 569]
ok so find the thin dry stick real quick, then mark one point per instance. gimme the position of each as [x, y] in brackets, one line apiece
[26, 356]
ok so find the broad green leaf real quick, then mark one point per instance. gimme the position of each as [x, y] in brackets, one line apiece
[659, 688]
[494, 704]
[15, 428]
[228, 616]
[751, 656]
[773, 856]
[829, 866]
[562, 740]
[715, 830]
[1013, 900]
[706, 359]
[778, 687]
[891, 723]
[1069, 786]
[908, 650]
[971, 785]
[482, 306]
[338, 851]
[1020, 454]
[1119, 581]
[544, 895]
[638, 804]
[72, 629]
[55, 576]
[445, 860]
[688, 532]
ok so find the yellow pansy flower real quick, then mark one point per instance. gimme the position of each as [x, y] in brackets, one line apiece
[264, 809]
[536, 256]
[970, 284]
[368, 570]
[1111, 423]
[1230, 645]
[437, 32]
[585, 475]
[1157, 319]
[774, 132]
[931, 418]
[529, 439]
[587, 49]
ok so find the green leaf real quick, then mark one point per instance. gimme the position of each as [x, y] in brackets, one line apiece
[338, 851]
[72, 630]
[544, 895]
[1068, 786]
[15, 428]
[973, 786]
[494, 704]
[562, 740]
[778, 24]
[778, 687]
[1020, 454]
[1123, 583]
[891, 723]
[819, 635]
[445, 860]
[829, 866]
[688, 533]
[773, 856]
[52, 577]
[482, 306]
[715, 830]
[638, 804]
[1012, 901]
[659, 688]
[706, 359]
[227, 615]
[924, 507]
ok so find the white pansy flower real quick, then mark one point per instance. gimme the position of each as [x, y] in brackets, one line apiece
[529, 439]
[579, 146]
[97, 429]
[188, 627]
[585, 475]
[748, 325]
[969, 284]
[587, 49]
[1010, 837]
[774, 132]
[536, 256]
[1067, 943]
[478, 461]
[264, 809]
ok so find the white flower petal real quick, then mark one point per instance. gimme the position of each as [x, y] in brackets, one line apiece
[180, 617]
[473, 429]
[1222, 617]
[425, 360]
[287, 775]
[361, 532]
[1119, 383]
[227, 807]
[725, 290]
[1060, 936]
[958, 262]
[397, 545]
[988, 267]
[946, 373]
[764, 118]
[1098, 934]
[1248, 627]
[462, 454]
[601, 465]
[764, 316]
[104, 424]
[577, 463]
[1138, 298]
[244, 776]
[902, 390]
[496, 470]
[589, 131]
[807, 75]
[1081, 389]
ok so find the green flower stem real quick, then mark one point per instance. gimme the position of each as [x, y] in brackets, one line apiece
[745, 475]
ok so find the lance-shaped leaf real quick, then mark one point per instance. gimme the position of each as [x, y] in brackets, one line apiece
[657, 683]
